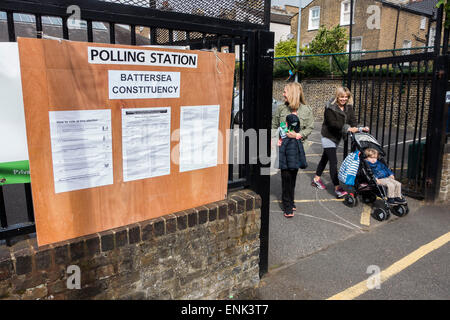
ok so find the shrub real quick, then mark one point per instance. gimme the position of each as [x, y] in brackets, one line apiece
[331, 40]
[281, 69]
[286, 48]
[315, 67]
[308, 68]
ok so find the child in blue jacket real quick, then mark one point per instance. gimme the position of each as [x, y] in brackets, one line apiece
[291, 158]
[385, 177]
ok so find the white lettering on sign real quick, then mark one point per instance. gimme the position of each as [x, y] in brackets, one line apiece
[143, 84]
[99, 55]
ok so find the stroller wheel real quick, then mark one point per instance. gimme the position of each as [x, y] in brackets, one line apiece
[380, 214]
[400, 210]
[350, 200]
[407, 208]
[369, 198]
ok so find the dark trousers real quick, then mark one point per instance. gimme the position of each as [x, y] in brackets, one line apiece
[329, 155]
[288, 178]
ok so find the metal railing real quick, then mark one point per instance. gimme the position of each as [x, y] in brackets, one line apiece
[331, 64]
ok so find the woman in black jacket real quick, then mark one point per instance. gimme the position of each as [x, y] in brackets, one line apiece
[339, 119]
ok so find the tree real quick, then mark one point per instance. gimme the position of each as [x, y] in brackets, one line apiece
[446, 4]
[332, 40]
[286, 48]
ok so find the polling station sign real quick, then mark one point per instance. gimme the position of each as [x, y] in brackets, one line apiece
[143, 84]
[100, 55]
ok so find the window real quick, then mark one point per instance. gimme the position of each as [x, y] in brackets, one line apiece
[432, 35]
[345, 12]
[356, 46]
[314, 18]
[423, 23]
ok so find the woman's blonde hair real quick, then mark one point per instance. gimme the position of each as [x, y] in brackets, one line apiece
[295, 95]
[346, 91]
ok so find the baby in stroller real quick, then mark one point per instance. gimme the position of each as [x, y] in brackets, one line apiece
[384, 177]
[365, 173]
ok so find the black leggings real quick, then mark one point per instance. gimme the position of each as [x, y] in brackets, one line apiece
[288, 179]
[329, 154]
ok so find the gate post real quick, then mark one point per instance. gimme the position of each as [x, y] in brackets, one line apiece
[436, 128]
[261, 120]
[437, 115]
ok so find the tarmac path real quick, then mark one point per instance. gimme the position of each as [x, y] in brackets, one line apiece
[327, 249]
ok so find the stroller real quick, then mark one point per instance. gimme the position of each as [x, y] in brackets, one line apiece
[365, 184]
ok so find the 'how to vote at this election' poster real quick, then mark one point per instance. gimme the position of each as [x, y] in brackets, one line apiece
[14, 165]
[81, 149]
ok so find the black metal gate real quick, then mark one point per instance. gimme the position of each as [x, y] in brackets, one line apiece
[238, 26]
[402, 100]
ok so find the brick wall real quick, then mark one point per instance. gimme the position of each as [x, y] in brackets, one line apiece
[444, 193]
[210, 252]
[317, 93]
[408, 29]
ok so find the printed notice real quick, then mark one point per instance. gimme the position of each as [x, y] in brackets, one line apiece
[14, 165]
[199, 127]
[81, 149]
[145, 143]
[143, 84]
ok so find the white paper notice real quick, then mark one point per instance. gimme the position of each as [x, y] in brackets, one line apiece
[199, 127]
[81, 149]
[143, 84]
[13, 133]
[145, 143]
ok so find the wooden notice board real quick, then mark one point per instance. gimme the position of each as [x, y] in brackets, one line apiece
[58, 76]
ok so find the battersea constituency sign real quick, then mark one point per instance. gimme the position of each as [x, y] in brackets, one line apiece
[143, 84]
[99, 55]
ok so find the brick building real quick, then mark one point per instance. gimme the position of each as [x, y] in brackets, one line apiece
[378, 24]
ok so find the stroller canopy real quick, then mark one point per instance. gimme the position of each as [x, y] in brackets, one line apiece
[365, 140]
